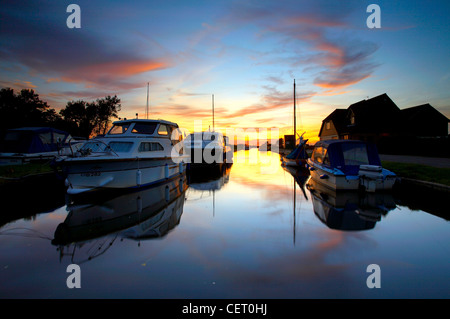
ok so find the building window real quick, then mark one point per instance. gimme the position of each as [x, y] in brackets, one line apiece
[328, 125]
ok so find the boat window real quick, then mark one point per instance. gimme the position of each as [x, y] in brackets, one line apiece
[46, 138]
[318, 154]
[150, 147]
[163, 130]
[355, 154]
[119, 128]
[144, 128]
[58, 137]
[120, 147]
[93, 147]
[326, 159]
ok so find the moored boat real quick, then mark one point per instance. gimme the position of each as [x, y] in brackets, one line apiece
[349, 165]
[134, 153]
[208, 148]
[27, 144]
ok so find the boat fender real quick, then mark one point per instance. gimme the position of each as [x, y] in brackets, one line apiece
[167, 193]
[139, 204]
[312, 168]
[166, 171]
[138, 177]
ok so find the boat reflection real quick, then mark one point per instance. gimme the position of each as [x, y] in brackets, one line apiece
[95, 224]
[205, 183]
[301, 176]
[349, 210]
[210, 180]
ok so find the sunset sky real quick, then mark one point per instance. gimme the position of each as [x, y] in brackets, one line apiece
[246, 53]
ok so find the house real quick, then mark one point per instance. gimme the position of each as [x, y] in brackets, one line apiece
[379, 117]
[334, 126]
[367, 120]
[424, 121]
[380, 121]
[289, 141]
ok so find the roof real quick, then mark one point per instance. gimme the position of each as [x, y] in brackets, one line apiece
[327, 143]
[145, 121]
[38, 129]
[417, 112]
[374, 114]
[339, 119]
[337, 148]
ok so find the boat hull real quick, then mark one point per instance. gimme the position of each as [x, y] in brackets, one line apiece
[336, 180]
[88, 175]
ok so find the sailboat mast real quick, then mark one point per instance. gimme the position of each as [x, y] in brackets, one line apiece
[295, 119]
[146, 111]
[213, 110]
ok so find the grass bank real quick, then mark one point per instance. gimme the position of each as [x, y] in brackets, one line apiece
[10, 172]
[419, 172]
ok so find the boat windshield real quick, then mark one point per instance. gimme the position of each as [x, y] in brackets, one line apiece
[355, 154]
[119, 128]
[144, 128]
[95, 147]
[100, 147]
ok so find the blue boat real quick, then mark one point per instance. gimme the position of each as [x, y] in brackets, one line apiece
[349, 165]
[27, 144]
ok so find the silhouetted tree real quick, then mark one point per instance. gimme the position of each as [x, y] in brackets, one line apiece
[105, 109]
[24, 109]
[78, 117]
[91, 118]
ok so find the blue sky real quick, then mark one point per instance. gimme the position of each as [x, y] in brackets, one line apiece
[246, 53]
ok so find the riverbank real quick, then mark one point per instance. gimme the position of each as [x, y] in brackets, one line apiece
[19, 173]
[431, 172]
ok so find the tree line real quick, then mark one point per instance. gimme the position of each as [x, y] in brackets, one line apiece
[79, 118]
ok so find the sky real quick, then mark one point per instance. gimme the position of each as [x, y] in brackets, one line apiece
[246, 53]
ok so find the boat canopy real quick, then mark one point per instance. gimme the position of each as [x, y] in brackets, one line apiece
[345, 155]
[33, 140]
[298, 152]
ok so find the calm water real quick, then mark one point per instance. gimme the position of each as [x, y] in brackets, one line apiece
[252, 231]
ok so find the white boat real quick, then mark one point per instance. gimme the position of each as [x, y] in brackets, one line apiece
[349, 165]
[208, 148]
[134, 153]
[28, 144]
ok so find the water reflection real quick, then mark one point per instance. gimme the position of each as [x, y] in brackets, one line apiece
[206, 181]
[93, 224]
[349, 210]
[245, 251]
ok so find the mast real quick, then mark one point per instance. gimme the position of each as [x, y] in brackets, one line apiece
[295, 116]
[213, 110]
[146, 111]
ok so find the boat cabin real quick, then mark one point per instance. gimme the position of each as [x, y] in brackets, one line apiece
[345, 155]
[135, 136]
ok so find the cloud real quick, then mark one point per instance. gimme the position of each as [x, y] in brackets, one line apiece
[272, 100]
[40, 41]
[340, 60]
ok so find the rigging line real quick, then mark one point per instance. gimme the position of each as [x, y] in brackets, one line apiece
[41, 235]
